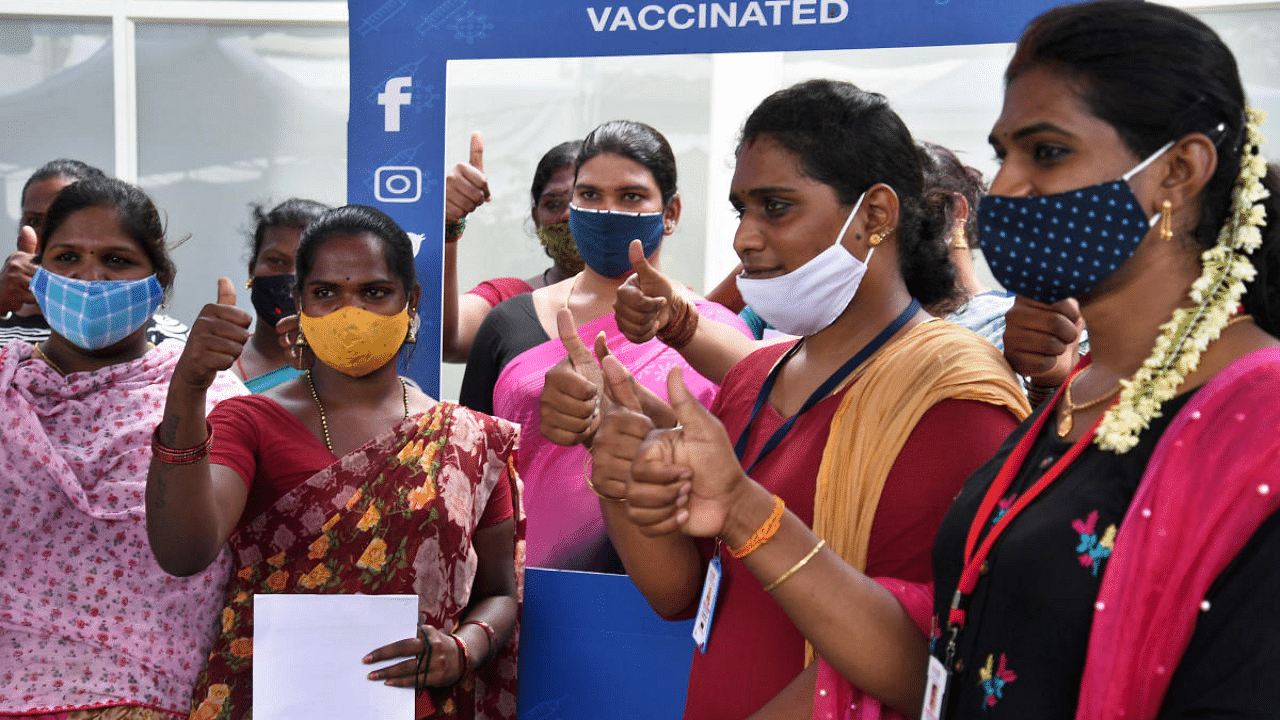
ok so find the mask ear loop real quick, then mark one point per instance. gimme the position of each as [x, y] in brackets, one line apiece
[1151, 222]
[845, 228]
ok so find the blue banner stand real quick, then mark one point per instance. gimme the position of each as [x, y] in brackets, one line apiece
[591, 647]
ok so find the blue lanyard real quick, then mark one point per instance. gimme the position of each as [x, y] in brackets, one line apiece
[740, 449]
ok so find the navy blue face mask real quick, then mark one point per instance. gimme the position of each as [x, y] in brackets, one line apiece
[604, 236]
[1052, 247]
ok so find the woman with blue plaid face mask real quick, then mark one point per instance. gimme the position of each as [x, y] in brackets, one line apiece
[79, 412]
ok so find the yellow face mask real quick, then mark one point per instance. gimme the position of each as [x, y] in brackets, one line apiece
[355, 341]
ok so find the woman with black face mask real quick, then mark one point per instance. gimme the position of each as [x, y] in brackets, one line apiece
[266, 362]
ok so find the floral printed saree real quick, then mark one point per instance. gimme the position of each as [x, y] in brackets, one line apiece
[393, 517]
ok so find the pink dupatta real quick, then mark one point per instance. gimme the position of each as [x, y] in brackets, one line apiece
[1213, 479]
[565, 529]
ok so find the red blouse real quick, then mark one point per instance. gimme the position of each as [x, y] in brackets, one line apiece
[754, 651]
[273, 452]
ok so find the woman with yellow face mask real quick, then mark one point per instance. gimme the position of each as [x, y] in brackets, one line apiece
[345, 479]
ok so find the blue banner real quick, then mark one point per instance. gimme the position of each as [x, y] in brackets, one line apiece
[399, 50]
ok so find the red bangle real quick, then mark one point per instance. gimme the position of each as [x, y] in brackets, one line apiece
[682, 324]
[466, 656]
[488, 630]
[189, 456]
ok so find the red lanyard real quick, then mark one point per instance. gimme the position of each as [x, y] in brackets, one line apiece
[974, 560]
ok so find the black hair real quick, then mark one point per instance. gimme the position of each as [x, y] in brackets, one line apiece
[72, 170]
[945, 177]
[634, 141]
[358, 220]
[292, 213]
[135, 213]
[561, 156]
[1156, 74]
[850, 139]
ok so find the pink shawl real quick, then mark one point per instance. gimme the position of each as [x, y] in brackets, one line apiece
[87, 617]
[565, 529]
[1213, 479]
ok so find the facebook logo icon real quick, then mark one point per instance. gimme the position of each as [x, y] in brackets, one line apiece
[392, 98]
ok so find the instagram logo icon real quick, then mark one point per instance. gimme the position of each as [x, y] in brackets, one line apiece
[397, 184]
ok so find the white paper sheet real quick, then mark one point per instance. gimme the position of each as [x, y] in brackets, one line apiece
[307, 652]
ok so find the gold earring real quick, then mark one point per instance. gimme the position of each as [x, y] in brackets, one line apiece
[958, 240]
[411, 337]
[875, 239]
[1166, 220]
[301, 342]
[248, 283]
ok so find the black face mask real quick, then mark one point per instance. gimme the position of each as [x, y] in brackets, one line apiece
[272, 297]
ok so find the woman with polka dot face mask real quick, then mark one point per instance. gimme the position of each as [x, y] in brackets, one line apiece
[1116, 558]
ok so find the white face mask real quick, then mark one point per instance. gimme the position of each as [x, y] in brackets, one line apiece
[812, 296]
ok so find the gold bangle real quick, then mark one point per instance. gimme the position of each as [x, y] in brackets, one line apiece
[586, 475]
[803, 561]
[764, 533]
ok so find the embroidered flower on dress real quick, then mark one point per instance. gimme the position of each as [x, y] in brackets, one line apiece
[1092, 550]
[994, 679]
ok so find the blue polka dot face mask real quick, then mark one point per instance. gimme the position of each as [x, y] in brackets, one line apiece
[1052, 247]
[94, 314]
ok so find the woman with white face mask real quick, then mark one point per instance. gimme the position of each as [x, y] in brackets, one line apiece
[864, 428]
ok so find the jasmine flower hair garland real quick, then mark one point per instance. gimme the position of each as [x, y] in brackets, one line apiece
[1216, 293]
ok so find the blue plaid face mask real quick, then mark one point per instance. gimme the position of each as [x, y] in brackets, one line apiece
[94, 314]
[1052, 247]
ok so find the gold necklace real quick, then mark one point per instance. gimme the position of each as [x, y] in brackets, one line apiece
[35, 350]
[572, 286]
[1065, 423]
[324, 421]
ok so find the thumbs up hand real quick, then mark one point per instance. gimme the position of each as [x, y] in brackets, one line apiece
[15, 278]
[623, 428]
[217, 338]
[644, 300]
[570, 400]
[466, 187]
[686, 478]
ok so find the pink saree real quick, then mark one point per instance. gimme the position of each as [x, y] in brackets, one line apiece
[393, 517]
[87, 617]
[565, 528]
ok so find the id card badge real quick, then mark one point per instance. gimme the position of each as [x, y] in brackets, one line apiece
[935, 690]
[707, 606]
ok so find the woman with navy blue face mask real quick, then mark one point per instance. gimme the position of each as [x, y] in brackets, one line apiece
[1117, 557]
[79, 410]
[624, 190]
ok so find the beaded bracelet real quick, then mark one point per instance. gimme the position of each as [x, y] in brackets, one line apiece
[681, 326]
[803, 561]
[189, 456]
[586, 475]
[764, 533]
[488, 631]
[453, 230]
[466, 655]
